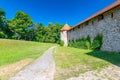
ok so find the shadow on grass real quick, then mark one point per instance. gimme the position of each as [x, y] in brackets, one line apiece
[111, 57]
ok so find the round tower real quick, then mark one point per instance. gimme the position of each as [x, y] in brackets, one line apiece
[64, 34]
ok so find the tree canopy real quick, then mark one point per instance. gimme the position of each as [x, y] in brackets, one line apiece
[2, 24]
[20, 24]
[22, 27]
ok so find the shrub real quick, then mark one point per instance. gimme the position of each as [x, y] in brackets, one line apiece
[97, 42]
[80, 43]
[61, 43]
[71, 43]
[86, 43]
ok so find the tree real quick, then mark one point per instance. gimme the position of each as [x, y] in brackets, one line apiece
[50, 33]
[39, 32]
[2, 24]
[20, 25]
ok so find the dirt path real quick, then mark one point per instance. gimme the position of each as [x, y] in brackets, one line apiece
[110, 73]
[42, 69]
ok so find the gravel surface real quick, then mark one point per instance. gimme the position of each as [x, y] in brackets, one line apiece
[110, 73]
[42, 69]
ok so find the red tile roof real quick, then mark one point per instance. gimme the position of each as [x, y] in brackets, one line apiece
[65, 28]
[113, 5]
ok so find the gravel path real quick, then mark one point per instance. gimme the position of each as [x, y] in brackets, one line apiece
[110, 73]
[42, 69]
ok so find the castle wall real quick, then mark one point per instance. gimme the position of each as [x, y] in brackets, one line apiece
[108, 27]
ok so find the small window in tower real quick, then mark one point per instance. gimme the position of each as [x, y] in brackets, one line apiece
[101, 17]
[112, 15]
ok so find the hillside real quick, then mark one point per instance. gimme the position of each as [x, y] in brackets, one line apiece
[15, 50]
[15, 54]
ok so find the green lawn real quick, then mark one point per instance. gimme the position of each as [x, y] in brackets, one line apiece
[72, 61]
[14, 50]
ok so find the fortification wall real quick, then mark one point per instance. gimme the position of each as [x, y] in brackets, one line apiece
[108, 27]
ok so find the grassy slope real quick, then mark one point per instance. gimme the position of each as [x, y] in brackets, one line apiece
[72, 61]
[12, 50]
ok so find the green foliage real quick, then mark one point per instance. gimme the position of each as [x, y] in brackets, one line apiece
[81, 43]
[20, 24]
[97, 42]
[61, 43]
[2, 24]
[49, 34]
[2, 35]
[71, 43]
[21, 27]
[86, 43]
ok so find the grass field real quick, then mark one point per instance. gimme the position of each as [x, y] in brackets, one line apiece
[18, 53]
[70, 62]
[13, 50]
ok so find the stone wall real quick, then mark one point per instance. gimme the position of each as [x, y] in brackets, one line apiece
[108, 27]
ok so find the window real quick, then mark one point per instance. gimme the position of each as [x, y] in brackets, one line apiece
[78, 27]
[112, 15]
[86, 23]
[92, 22]
[73, 29]
[81, 26]
[101, 17]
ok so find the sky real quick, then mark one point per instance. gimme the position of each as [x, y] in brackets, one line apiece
[55, 11]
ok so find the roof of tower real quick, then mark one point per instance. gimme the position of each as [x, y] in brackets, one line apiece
[113, 5]
[66, 27]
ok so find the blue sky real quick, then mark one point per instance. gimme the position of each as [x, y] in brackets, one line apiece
[55, 11]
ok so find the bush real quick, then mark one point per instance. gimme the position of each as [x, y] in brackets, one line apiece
[86, 43]
[97, 42]
[71, 44]
[61, 43]
[80, 43]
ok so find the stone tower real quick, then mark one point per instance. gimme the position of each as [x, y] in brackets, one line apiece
[64, 34]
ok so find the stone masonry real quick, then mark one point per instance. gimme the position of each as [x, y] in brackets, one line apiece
[107, 24]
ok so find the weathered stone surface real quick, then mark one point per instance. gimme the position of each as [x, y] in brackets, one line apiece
[109, 27]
